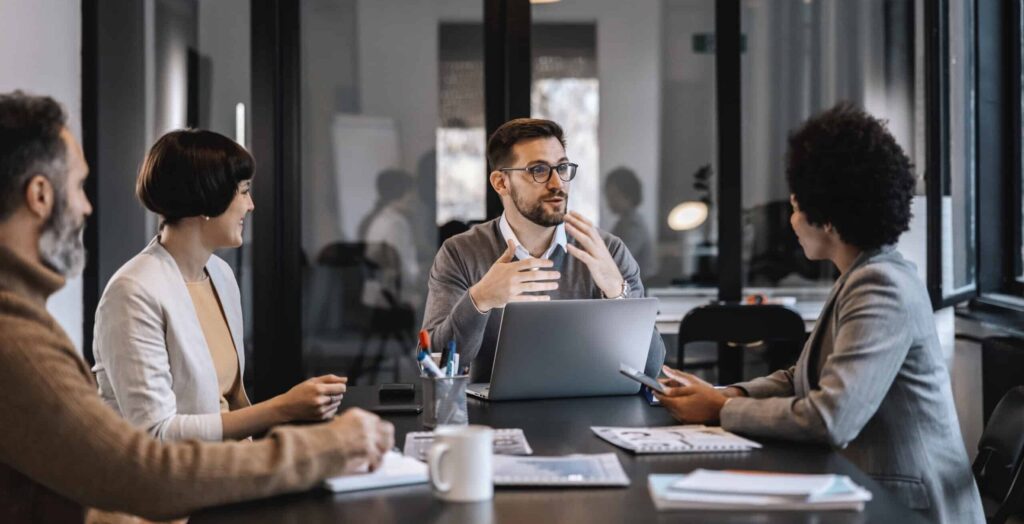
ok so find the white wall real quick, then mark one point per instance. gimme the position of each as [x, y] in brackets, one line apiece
[41, 53]
[224, 41]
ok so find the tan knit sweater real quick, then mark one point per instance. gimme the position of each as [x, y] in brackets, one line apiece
[62, 449]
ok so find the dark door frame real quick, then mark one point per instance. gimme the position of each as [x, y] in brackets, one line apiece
[277, 248]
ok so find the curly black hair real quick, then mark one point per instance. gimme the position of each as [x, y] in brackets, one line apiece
[844, 168]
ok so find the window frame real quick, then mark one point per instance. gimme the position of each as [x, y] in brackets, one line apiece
[938, 171]
[1000, 36]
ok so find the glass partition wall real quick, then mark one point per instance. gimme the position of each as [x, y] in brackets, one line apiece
[391, 109]
[392, 160]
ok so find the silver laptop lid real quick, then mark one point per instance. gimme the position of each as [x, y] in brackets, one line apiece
[571, 348]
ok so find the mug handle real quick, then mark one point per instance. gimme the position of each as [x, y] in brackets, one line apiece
[437, 452]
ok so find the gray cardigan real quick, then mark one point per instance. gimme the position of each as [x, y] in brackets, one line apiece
[464, 259]
[872, 382]
[152, 362]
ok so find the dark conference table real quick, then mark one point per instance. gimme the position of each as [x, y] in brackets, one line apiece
[560, 427]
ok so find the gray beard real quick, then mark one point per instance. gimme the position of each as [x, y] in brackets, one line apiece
[61, 246]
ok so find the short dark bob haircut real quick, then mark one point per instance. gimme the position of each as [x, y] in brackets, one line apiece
[499, 146]
[844, 168]
[192, 172]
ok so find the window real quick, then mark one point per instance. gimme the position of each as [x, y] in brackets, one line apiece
[800, 58]
[636, 98]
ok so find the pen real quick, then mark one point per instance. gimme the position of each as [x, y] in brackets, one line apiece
[446, 354]
[455, 364]
[428, 364]
[422, 344]
[448, 362]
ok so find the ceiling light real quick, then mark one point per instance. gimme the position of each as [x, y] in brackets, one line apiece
[687, 216]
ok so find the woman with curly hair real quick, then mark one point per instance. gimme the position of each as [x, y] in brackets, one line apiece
[871, 381]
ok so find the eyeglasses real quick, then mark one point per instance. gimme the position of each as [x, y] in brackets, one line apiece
[541, 173]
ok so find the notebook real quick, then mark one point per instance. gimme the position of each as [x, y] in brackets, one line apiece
[395, 470]
[759, 491]
[507, 441]
[674, 439]
[570, 470]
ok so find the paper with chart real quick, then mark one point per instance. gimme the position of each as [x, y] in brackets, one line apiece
[507, 441]
[674, 439]
[571, 470]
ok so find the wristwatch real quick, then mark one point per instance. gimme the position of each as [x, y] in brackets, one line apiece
[622, 294]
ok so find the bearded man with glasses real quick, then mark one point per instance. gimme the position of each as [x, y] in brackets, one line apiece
[537, 250]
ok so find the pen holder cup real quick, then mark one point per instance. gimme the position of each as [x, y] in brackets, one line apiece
[444, 401]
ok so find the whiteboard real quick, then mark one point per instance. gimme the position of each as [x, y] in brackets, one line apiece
[363, 146]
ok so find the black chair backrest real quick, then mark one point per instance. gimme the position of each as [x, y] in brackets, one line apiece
[1002, 359]
[741, 324]
[342, 254]
[781, 328]
[997, 468]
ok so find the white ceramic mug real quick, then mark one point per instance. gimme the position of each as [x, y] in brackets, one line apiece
[461, 463]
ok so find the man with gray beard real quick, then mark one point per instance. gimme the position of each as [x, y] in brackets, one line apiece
[62, 450]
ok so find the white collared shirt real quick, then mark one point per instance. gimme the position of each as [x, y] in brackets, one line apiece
[521, 253]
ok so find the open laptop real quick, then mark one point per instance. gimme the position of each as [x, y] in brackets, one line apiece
[569, 348]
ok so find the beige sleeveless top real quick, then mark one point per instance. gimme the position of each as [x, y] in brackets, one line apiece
[218, 339]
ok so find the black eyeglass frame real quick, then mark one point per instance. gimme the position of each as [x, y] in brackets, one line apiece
[543, 178]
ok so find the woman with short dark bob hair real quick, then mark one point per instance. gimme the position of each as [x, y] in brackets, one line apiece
[168, 336]
[871, 381]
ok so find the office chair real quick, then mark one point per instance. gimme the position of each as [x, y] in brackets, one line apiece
[1002, 358]
[385, 319]
[781, 328]
[997, 468]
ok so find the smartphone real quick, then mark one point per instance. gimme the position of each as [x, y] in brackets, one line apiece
[641, 378]
[403, 393]
[396, 409]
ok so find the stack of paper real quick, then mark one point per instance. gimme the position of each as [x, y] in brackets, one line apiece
[395, 470]
[571, 470]
[751, 490]
[675, 439]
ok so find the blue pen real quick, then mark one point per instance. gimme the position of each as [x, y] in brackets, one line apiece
[449, 367]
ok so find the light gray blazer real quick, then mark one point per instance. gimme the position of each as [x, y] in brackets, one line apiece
[152, 362]
[872, 382]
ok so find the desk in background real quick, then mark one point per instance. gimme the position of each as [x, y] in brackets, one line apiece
[675, 302]
[558, 427]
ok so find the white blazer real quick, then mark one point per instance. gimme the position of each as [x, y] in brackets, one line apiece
[152, 362]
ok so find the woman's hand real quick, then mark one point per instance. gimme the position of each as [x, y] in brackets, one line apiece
[676, 378]
[315, 399]
[691, 400]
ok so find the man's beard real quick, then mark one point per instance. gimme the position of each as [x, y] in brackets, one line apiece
[61, 245]
[535, 211]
